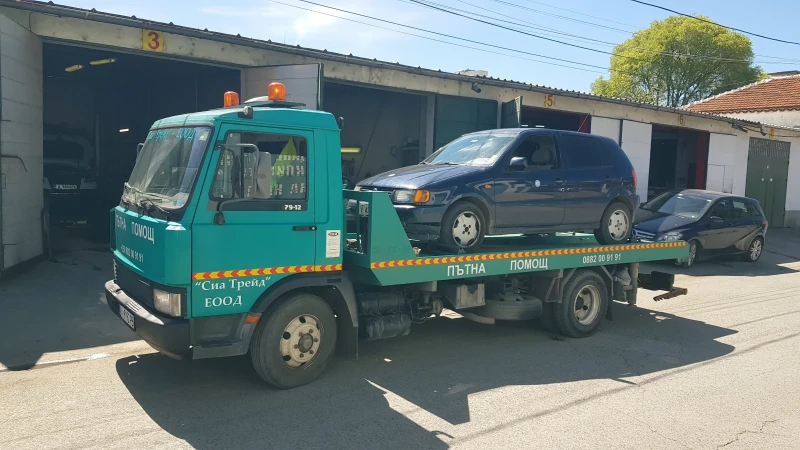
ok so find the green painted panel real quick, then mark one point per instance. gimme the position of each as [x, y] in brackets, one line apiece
[768, 176]
[456, 116]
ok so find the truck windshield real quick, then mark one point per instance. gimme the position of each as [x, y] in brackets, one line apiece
[167, 166]
[472, 150]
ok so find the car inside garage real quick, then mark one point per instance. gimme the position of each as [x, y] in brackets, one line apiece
[98, 105]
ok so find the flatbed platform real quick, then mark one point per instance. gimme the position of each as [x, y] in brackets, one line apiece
[380, 253]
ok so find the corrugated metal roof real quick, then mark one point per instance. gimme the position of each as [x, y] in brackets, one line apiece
[133, 21]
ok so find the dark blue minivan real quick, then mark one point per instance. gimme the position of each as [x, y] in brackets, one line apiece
[514, 181]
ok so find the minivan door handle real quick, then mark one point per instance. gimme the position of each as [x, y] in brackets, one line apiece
[304, 228]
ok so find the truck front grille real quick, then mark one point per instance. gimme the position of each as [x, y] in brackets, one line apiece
[136, 286]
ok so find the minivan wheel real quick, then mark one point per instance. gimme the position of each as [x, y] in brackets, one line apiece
[463, 227]
[754, 251]
[615, 226]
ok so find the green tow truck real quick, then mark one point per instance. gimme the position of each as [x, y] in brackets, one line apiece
[232, 237]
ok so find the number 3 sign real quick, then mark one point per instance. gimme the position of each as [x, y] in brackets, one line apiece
[153, 41]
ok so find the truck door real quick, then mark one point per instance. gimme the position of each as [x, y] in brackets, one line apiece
[269, 228]
[303, 82]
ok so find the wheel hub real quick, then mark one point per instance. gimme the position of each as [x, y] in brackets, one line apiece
[618, 224]
[587, 305]
[465, 229]
[300, 341]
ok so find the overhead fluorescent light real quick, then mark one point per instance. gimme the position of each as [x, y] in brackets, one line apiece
[351, 149]
[539, 126]
[73, 68]
[124, 130]
[100, 62]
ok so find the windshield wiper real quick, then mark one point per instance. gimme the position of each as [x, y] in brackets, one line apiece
[151, 205]
[449, 163]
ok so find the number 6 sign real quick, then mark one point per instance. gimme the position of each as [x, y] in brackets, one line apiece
[153, 41]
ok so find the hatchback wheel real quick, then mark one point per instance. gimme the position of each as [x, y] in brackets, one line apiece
[615, 226]
[754, 251]
[463, 227]
[692, 258]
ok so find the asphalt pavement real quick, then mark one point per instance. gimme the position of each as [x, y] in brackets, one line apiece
[714, 369]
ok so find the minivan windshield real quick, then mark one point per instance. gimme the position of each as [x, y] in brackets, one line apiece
[167, 166]
[679, 204]
[482, 149]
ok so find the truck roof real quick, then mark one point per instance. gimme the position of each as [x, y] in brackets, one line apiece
[278, 116]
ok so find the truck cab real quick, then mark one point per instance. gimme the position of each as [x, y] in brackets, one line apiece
[221, 207]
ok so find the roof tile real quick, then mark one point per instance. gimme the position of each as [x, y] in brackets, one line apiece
[772, 94]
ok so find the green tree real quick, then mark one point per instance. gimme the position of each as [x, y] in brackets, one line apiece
[677, 61]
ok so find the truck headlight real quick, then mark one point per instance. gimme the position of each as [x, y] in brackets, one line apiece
[167, 302]
[408, 196]
[671, 236]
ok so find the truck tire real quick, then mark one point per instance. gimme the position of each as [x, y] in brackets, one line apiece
[294, 341]
[463, 227]
[547, 319]
[615, 226]
[583, 306]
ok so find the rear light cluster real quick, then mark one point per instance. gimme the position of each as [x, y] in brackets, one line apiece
[635, 180]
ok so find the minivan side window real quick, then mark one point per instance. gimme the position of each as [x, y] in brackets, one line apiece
[740, 210]
[753, 210]
[539, 151]
[584, 152]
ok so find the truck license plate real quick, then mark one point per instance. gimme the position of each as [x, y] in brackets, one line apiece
[127, 317]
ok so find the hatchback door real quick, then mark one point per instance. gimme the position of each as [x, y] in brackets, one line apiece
[532, 194]
[717, 232]
[744, 226]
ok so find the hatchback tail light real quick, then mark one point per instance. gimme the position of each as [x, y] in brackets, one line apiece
[635, 180]
[766, 225]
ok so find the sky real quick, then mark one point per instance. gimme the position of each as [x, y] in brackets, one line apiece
[299, 22]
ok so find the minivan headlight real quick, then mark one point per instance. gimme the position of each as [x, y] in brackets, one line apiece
[671, 236]
[167, 302]
[411, 196]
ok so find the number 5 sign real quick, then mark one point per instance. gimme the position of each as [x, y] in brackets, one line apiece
[153, 41]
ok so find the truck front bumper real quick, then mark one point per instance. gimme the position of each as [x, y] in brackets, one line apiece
[169, 336]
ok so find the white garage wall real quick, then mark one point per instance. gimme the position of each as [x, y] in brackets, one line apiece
[793, 185]
[636, 137]
[20, 138]
[740, 164]
[722, 150]
[609, 128]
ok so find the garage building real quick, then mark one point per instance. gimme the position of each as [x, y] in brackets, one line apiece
[86, 85]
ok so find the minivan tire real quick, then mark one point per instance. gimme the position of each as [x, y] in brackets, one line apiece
[468, 216]
[615, 216]
[754, 250]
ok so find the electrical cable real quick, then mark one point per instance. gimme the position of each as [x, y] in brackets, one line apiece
[443, 41]
[715, 23]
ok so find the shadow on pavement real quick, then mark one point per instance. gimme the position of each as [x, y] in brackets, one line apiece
[222, 403]
[770, 264]
[58, 305]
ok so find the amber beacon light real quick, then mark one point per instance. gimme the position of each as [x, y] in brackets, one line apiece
[277, 92]
[231, 99]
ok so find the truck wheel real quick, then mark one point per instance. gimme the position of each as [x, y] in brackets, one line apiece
[294, 341]
[615, 226]
[547, 319]
[463, 227]
[754, 251]
[583, 306]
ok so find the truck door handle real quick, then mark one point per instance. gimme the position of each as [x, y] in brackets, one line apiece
[304, 228]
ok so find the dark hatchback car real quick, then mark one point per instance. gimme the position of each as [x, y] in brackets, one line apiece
[514, 181]
[713, 223]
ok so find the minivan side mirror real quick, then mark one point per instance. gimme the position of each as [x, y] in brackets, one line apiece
[518, 163]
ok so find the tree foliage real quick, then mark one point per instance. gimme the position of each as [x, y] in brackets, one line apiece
[677, 61]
